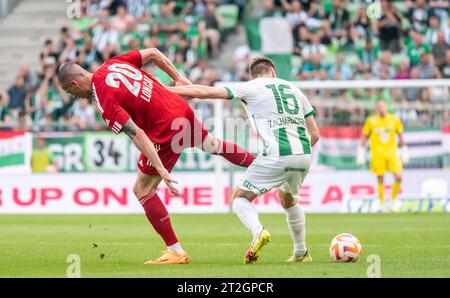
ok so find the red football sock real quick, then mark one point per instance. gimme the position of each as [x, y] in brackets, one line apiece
[158, 216]
[235, 154]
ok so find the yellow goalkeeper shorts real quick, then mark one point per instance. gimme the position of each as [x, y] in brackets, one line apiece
[379, 164]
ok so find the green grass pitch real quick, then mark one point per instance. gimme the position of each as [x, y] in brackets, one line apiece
[410, 245]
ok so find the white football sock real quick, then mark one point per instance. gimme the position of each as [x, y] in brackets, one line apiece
[248, 215]
[176, 248]
[296, 223]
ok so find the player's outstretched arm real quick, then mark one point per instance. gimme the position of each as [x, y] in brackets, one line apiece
[154, 55]
[200, 91]
[145, 145]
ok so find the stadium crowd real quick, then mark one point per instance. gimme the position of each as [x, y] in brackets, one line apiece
[188, 32]
[343, 40]
[333, 39]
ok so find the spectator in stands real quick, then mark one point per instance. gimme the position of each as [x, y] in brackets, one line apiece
[433, 29]
[445, 67]
[209, 27]
[46, 123]
[437, 94]
[239, 65]
[5, 117]
[197, 71]
[440, 48]
[301, 35]
[180, 30]
[192, 20]
[30, 78]
[50, 54]
[367, 56]
[326, 36]
[314, 48]
[339, 19]
[23, 121]
[361, 27]
[439, 8]
[114, 5]
[166, 22]
[42, 160]
[412, 94]
[426, 67]
[403, 73]
[121, 21]
[417, 48]
[64, 35]
[94, 7]
[83, 114]
[70, 52]
[389, 27]
[316, 18]
[340, 70]
[106, 40]
[269, 9]
[294, 13]
[86, 53]
[138, 8]
[17, 94]
[86, 21]
[131, 39]
[383, 66]
[314, 69]
[418, 15]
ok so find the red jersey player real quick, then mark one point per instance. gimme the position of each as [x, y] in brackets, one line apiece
[132, 101]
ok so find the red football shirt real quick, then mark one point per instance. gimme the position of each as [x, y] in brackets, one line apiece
[123, 90]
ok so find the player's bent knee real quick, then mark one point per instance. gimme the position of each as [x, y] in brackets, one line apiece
[398, 177]
[240, 193]
[380, 179]
[140, 189]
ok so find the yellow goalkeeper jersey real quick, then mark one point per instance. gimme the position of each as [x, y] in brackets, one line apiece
[382, 134]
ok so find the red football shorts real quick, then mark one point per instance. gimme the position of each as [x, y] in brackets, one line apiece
[170, 152]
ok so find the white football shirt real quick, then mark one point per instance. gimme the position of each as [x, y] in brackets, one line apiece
[277, 110]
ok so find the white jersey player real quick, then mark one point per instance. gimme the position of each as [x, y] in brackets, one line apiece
[283, 118]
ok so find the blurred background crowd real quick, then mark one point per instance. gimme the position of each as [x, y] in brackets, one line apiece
[333, 40]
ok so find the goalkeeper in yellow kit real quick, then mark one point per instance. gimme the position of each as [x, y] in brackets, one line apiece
[381, 130]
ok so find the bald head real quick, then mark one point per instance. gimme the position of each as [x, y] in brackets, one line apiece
[74, 79]
[68, 72]
[381, 108]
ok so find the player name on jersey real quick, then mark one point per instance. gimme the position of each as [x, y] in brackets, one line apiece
[147, 87]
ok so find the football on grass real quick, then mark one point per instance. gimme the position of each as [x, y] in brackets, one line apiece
[345, 248]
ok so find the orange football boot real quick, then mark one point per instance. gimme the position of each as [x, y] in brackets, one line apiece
[170, 257]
